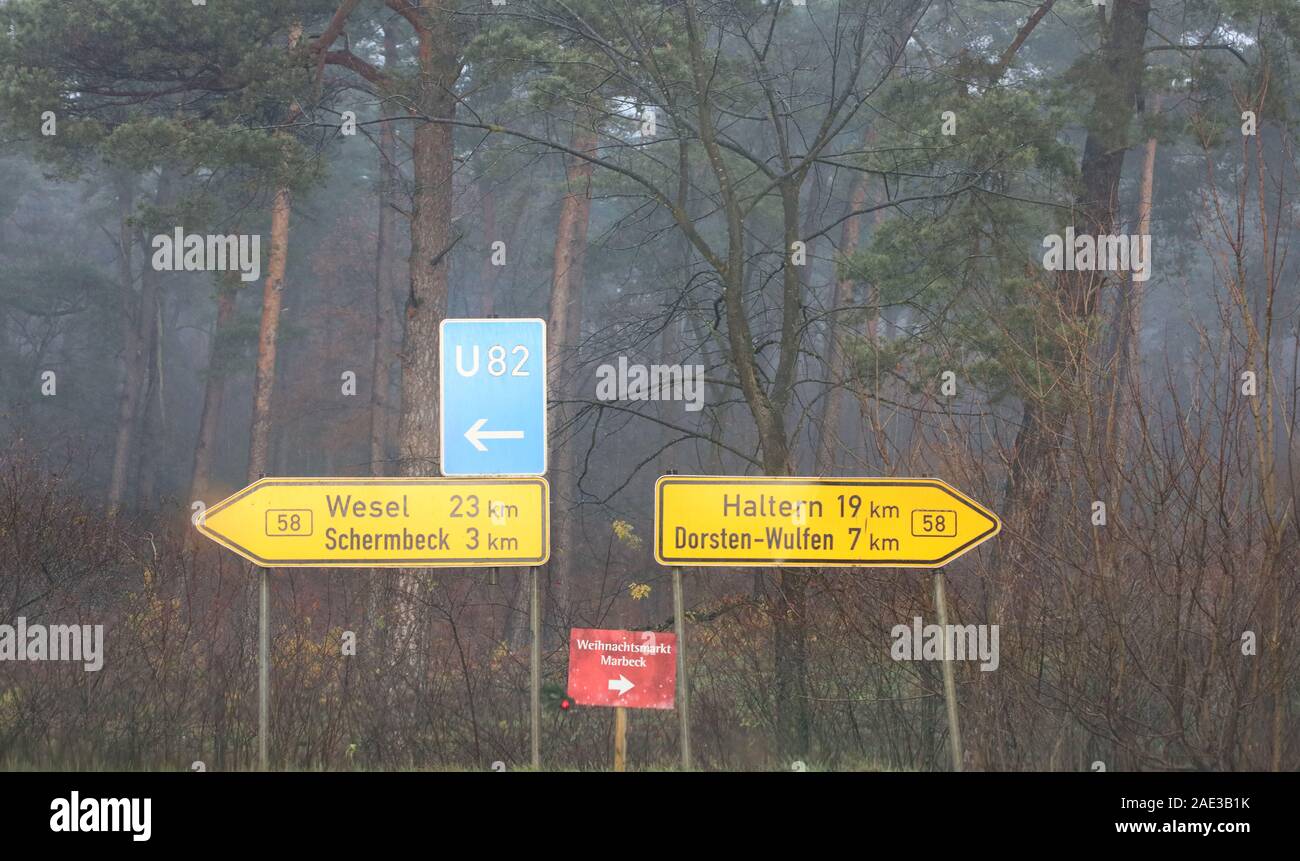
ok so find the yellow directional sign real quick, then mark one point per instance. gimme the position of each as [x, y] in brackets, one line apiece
[819, 522]
[385, 522]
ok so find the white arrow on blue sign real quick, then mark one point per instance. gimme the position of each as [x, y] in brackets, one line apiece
[492, 379]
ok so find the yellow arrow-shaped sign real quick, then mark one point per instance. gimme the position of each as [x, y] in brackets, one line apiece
[819, 522]
[385, 522]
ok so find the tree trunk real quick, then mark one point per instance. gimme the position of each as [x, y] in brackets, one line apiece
[516, 210]
[132, 370]
[1120, 69]
[431, 241]
[767, 409]
[489, 273]
[1123, 345]
[269, 329]
[152, 453]
[564, 330]
[268, 336]
[138, 313]
[841, 299]
[1133, 323]
[380, 409]
[214, 392]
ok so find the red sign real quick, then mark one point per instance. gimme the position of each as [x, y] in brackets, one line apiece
[632, 669]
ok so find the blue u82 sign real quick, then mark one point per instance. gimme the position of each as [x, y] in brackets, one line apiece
[492, 378]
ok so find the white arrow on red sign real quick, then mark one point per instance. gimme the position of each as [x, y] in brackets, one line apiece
[622, 669]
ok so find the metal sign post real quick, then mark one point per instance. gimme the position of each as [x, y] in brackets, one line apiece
[535, 669]
[949, 681]
[263, 670]
[683, 687]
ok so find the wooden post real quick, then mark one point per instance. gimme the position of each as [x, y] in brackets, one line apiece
[620, 739]
[683, 687]
[263, 669]
[535, 670]
[949, 681]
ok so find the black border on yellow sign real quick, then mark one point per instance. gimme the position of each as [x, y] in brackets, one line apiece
[806, 562]
[503, 562]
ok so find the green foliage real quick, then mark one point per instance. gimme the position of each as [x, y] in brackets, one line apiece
[964, 267]
[142, 82]
[555, 70]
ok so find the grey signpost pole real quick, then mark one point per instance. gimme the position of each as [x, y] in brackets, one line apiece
[535, 670]
[949, 682]
[683, 685]
[263, 669]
